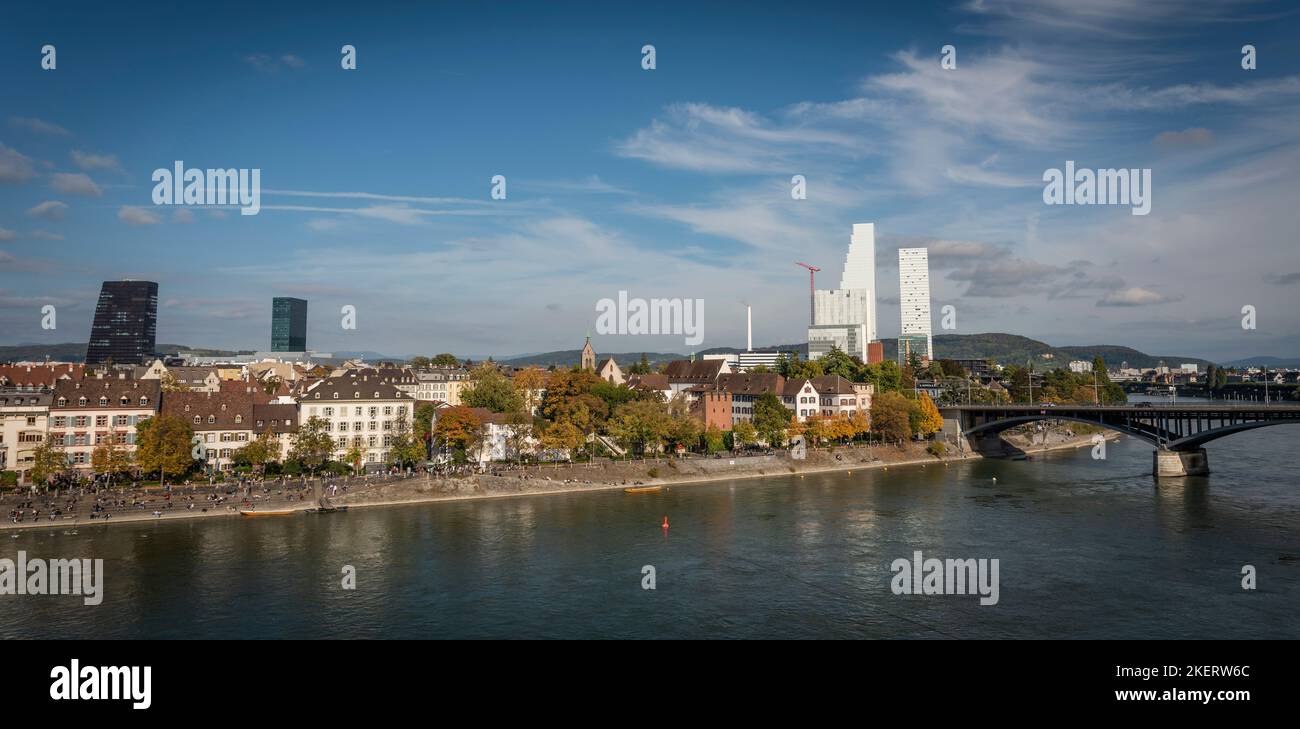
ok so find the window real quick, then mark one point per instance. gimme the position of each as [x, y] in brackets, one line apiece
[103, 402]
[373, 412]
[239, 418]
[343, 427]
[197, 420]
[374, 425]
[63, 401]
[373, 440]
[329, 412]
[60, 422]
[212, 419]
[81, 402]
[388, 410]
[144, 402]
[101, 421]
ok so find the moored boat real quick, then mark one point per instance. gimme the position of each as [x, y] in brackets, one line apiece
[268, 512]
[642, 489]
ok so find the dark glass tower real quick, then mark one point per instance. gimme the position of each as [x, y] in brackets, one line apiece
[126, 322]
[288, 324]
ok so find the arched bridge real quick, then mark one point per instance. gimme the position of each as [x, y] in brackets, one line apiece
[1178, 432]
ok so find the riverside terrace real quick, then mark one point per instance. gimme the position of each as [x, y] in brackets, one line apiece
[1178, 432]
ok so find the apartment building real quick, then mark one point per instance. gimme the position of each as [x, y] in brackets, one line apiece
[24, 421]
[360, 410]
[84, 413]
[223, 421]
[441, 383]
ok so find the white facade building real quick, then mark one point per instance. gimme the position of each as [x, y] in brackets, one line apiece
[914, 296]
[1080, 366]
[846, 317]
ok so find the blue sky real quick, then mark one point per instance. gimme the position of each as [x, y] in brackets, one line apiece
[666, 183]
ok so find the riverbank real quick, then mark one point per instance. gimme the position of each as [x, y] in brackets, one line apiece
[580, 478]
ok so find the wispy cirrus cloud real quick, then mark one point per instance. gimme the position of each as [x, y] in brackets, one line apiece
[49, 210]
[75, 183]
[38, 126]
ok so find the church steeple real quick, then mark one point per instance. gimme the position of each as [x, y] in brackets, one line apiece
[588, 356]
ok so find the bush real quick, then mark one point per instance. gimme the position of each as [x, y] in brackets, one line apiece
[8, 479]
[653, 472]
[936, 449]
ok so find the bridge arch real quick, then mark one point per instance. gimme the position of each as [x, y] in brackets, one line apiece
[997, 426]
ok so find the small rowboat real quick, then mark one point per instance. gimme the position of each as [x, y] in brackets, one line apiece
[268, 512]
[643, 490]
[327, 510]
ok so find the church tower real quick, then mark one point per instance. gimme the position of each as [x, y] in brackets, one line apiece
[588, 356]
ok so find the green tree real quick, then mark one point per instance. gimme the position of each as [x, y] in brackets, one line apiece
[714, 440]
[260, 451]
[838, 362]
[743, 433]
[419, 363]
[771, 418]
[444, 360]
[47, 462]
[163, 445]
[354, 456]
[640, 368]
[492, 390]
[640, 425]
[312, 444]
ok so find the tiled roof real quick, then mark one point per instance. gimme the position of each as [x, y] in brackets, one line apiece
[111, 389]
[363, 387]
[755, 383]
[704, 370]
[211, 410]
[832, 385]
[32, 376]
[279, 418]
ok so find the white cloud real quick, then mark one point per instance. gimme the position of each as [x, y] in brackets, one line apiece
[75, 183]
[90, 162]
[37, 126]
[183, 215]
[14, 166]
[137, 216]
[1135, 296]
[50, 210]
[6, 234]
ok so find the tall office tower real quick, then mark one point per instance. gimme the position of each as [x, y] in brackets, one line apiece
[845, 318]
[860, 268]
[288, 324]
[914, 302]
[126, 323]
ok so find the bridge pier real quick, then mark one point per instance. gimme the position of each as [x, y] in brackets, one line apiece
[1168, 463]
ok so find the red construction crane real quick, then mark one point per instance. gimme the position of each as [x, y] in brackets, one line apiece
[812, 288]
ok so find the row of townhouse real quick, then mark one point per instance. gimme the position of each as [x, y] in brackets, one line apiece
[78, 415]
[722, 398]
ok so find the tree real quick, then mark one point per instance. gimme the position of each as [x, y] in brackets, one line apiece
[353, 457]
[923, 417]
[771, 418]
[570, 395]
[444, 360]
[169, 383]
[312, 444]
[714, 440]
[405, 449]
[492, 390]
[561, 436]
[111, 456]
[270, 384]
[163, 444]
[47, 462]
[419, 363]
[530, 382]
[743, 433]
[683, 428]
[459, 428]
[640, 368]
[519, 434]
[837, 362]
[260, 451]
[640, 425]
[423, 422]
[889, 416]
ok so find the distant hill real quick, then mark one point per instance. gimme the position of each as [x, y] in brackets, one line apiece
[76, 352]
[1279, 362]
[999, 347]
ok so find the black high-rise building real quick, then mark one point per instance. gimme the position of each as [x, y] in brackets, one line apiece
[288, 324]
[126, 323]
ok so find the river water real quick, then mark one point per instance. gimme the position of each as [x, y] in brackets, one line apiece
[1086, 548]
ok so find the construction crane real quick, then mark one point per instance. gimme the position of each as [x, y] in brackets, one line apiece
[812, 289]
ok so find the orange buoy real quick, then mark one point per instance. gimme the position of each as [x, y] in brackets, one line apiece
[665, 521]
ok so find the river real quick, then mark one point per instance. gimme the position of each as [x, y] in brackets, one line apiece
[1087, 548]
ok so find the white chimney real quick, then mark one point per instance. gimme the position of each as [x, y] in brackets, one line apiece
[749, 328]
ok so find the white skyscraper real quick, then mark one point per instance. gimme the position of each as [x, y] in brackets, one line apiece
[914, 301]
[860, 268]
[846, 317]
